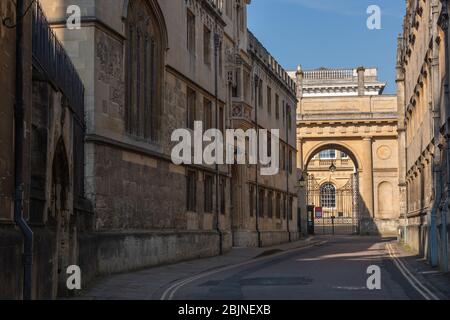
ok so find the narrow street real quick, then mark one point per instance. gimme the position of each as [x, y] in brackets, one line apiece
[329, 268]
[336, 269]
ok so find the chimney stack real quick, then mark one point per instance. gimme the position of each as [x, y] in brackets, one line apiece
[361, 83]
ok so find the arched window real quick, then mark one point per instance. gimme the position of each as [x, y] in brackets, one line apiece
[144, 71]
[328, 196]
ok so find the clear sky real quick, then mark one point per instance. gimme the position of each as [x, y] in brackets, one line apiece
[329, 33]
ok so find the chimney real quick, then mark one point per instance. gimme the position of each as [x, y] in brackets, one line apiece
[361, 85]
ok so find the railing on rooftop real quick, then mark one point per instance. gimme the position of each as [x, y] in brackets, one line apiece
[328, 74]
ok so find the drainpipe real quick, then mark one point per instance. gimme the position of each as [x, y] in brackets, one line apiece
[288, 214]
[19, 134]
[216, 93]
[444, 234]
[257, 162]
[433, 235]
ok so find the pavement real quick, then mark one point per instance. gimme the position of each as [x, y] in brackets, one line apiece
[324, 268]
[149, 284]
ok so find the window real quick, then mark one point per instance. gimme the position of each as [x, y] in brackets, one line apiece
[220, 54]
[191, 32]
[283, 206]
[328, 155]
[344, 155]
[209, 181]
[289, 119]
[191, 103]
[144, 69]
[252, 200]
[191, 193]
[270, 205]
[262, 195]
[207, 46]
[290, 162]
[291, 208]
[278, 206]
[229, 8]
[283, 158]
[247, 81]
[223, 185]
[277, 106]
[284, 113]
[260, 94]
[269, 146]
[269, 100]
[241, 19]
[235, 89]
[328, 196]
[207, 114]
[221, 120]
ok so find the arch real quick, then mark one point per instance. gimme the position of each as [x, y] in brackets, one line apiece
[334, 145]
[146, 42]
[59, 218]
[158, 15]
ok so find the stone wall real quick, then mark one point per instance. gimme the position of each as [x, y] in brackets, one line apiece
[105, 253]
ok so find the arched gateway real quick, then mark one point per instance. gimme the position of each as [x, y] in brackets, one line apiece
[332, 193]
[345, 126]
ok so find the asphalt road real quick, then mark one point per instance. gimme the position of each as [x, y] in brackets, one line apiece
[335, 269]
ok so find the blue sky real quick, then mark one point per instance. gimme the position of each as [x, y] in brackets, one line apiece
[329, 33]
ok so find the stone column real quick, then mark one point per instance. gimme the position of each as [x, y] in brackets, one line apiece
[366, 181]
[300, 163]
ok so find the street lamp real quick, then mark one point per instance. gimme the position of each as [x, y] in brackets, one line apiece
[302, 181]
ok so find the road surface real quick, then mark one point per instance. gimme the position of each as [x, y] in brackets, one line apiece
[337, 268]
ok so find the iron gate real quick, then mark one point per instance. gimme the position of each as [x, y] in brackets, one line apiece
[335, 209]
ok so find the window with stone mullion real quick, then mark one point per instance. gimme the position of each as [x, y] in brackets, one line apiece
[141, 74]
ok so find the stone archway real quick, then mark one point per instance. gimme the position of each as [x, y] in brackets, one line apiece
[59, 218]
[361, 183]
[336, 193]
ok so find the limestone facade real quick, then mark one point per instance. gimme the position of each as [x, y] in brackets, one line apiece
[345, 110]
[422, 82]
[150, 67]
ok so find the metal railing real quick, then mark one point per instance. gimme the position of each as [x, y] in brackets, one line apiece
[52, 59]
[328, 74]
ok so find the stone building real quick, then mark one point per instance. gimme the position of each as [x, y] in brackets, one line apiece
[422, 83]
[101, 189]
[41, 172]
[150, 67]
[342, 113]
[266, 99]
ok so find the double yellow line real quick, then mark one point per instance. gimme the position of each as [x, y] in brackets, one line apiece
[415, 283]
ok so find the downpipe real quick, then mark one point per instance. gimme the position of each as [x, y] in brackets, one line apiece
[432, 220]
[444, 237]
[444, 233]
[19, 134]
[216, 93]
